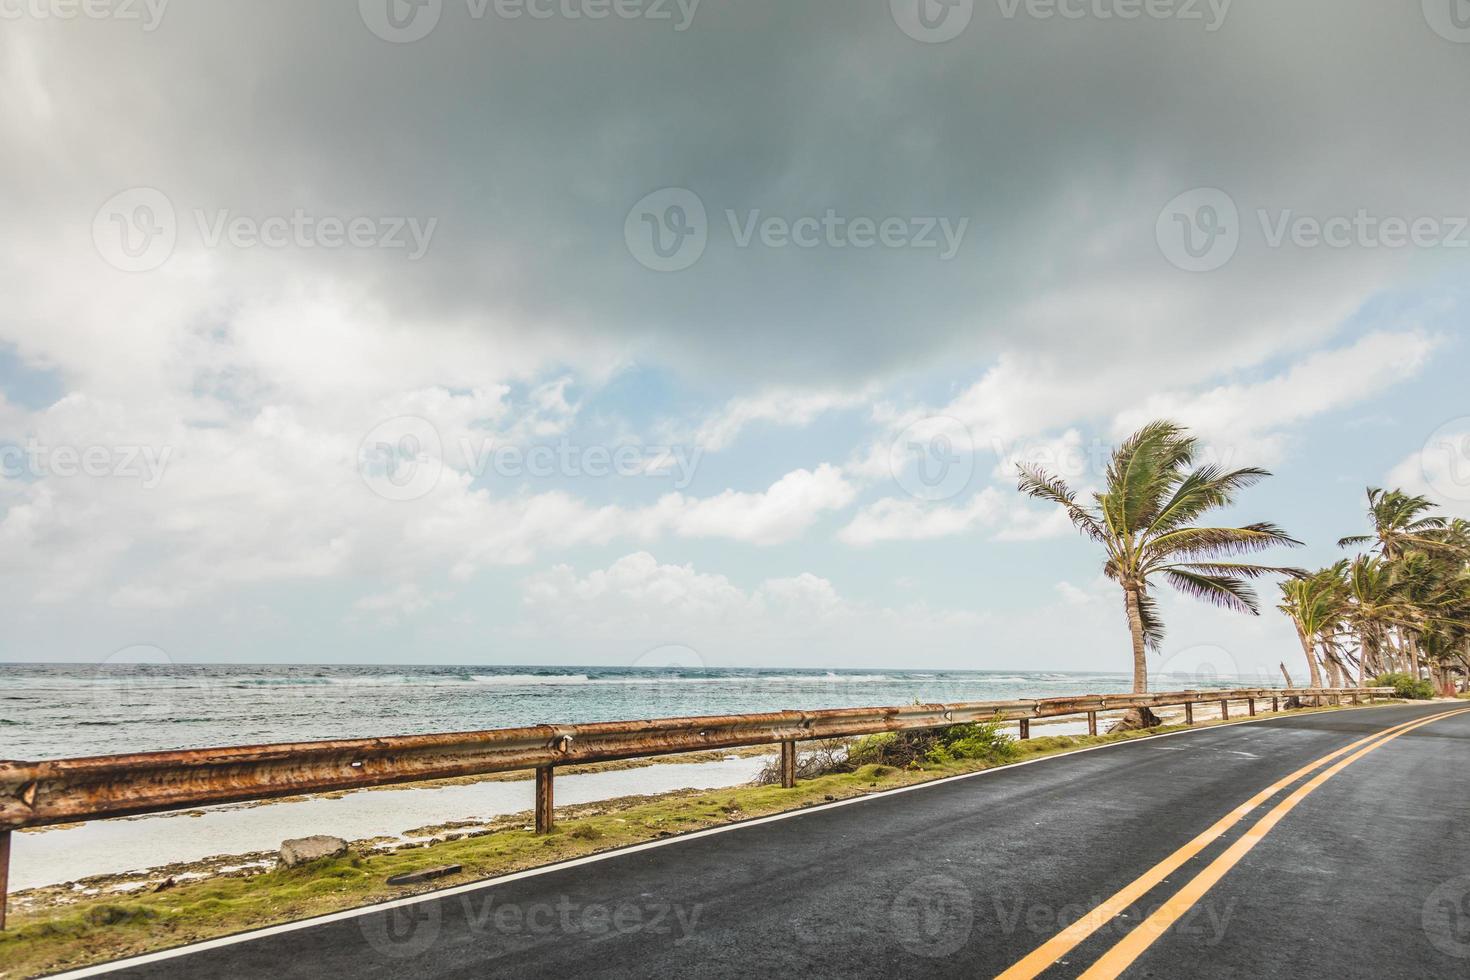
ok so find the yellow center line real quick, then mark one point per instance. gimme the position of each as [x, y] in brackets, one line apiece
[1131, 946]
[1041, 959]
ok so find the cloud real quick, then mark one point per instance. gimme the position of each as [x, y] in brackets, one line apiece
[778, 514]
[406, 600]
[1247, 423]
[637, 601]
[783, 408]
[906, 519]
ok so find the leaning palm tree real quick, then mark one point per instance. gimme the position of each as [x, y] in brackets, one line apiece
[1377, 605]
[1401, 523]
[1316, 605]
[1147, 521]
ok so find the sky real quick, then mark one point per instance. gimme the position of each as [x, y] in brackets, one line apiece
[570, 331]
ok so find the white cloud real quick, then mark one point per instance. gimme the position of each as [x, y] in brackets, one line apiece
[637, 601]
[1248, 424]
[407, 599]
[778, 514]
[907, 519]
[790, 408]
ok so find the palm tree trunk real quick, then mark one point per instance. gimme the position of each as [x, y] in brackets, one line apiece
[1135, 628]
[1136, 718]
[1306, 642]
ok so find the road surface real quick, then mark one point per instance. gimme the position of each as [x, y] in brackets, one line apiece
[1357, 867]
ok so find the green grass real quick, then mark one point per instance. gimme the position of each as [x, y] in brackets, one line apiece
[105, 928]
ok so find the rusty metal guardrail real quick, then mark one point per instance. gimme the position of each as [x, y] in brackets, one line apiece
[37, 794]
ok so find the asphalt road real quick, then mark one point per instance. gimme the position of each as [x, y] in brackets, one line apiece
[1368, 876]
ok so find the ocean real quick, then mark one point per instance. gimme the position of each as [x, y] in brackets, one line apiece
[59, 711]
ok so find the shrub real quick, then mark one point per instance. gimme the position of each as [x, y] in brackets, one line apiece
[982, 741]
[1406, 686]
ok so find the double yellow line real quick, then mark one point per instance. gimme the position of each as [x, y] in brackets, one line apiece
[1131, 946]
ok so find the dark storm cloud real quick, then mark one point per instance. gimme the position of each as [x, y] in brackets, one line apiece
[1056, 140]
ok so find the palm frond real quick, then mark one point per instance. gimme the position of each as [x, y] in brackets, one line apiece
[1153, 623]
[1244, 570]
[1041, 485]
[1209, 542]
[1220, 590]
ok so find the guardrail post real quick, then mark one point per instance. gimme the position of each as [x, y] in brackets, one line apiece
[545, 807]
[4, 875]
[1189, 712]
[1275, 705]
[1355, 697]
[1092, 723]
[1025, 727]
[1250, 706]
[788, 765]
[1225, 709]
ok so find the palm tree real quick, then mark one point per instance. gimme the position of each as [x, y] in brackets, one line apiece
[1147, 523]
[1315, 605]
[1399, 525]
[1377, 604]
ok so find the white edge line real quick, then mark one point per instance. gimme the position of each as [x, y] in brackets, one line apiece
[473, 886]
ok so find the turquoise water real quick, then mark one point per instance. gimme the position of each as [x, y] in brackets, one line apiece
[57, 711]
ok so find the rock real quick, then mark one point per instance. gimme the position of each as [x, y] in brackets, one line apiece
[303, 849]
[1136, 719]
